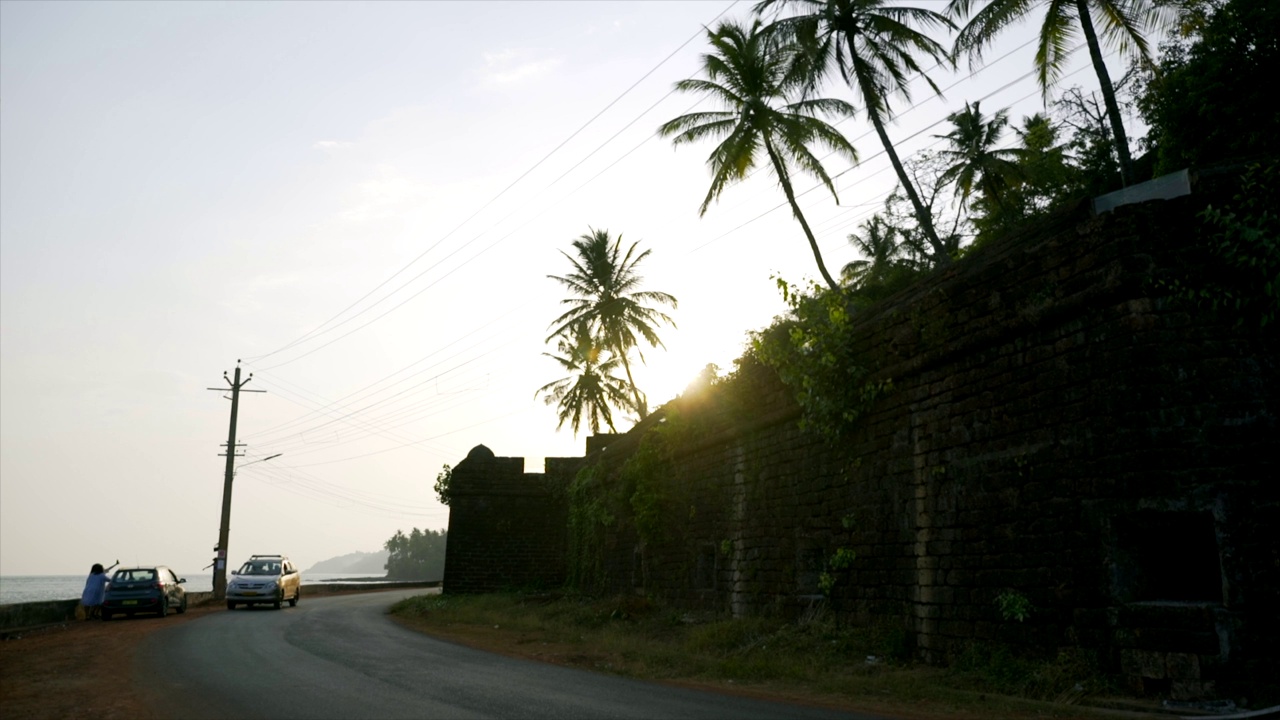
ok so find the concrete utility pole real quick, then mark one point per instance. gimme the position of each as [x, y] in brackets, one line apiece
[220, 562]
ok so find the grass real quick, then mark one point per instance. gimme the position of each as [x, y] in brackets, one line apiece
[816, 659]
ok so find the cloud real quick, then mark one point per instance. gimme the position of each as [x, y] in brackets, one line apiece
[330, 145]
[383, 196]
[512, 65]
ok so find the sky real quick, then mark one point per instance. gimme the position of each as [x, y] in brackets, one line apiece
[360, 204]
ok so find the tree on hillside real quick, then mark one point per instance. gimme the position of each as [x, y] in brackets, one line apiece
[589, 391]
[1045, 179]
[878, 243]
[606, 298]
[752, 75]
[1123, 23]
[416, 556]
[875, 49]
[951, 225]
[1213, 100]
[1043, 161]
[976, 162]
[1090, 147]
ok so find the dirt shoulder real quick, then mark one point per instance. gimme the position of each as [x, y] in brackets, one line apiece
[79, 669]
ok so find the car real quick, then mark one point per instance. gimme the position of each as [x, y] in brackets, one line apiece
[265, 579]
[144, 589]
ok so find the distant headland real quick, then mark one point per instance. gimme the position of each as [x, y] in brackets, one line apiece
[369, 563]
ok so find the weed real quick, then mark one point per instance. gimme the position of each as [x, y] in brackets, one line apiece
[1014, 605]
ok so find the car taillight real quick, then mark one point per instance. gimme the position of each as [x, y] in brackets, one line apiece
[158, 586]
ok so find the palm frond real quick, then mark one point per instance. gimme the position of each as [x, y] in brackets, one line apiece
[1057, 36]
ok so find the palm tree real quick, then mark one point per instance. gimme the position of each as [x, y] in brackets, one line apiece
[879, 245]
[590, 389]
[1123, 23]
[976, 161]
[1043, 161]
[874, 48]
[605, 283]
[752, 76]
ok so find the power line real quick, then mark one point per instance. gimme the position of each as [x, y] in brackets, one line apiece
[319, 329]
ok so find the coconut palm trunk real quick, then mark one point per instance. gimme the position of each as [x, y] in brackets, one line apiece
[923, 216]
[642, 407]
[1108, 92]
[787, 190]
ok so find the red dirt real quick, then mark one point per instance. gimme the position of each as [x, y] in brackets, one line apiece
[78, 669]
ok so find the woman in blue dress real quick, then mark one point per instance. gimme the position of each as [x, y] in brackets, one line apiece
[95, 590]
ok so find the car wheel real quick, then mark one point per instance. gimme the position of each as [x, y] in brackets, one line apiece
[293, 601]
[231, 605]
[106, 615]
[164, 605]
[279, 599]
[183, 606]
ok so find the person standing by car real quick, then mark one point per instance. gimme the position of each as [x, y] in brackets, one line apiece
[95, 589]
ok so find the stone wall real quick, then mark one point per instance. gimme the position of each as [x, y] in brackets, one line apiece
[506, 527]
[1058, 433]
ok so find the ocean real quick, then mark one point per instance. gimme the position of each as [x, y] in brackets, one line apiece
[39, 588]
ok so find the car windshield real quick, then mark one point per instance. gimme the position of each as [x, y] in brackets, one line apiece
[126, 576]
[260, 567]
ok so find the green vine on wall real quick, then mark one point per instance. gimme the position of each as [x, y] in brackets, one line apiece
[661, 502]
[1014, 606]
[1240, 271]
[592, 511]
[814, 355]
[837, 567]
[644, 491]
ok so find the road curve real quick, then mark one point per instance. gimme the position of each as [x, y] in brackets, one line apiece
[342, 657]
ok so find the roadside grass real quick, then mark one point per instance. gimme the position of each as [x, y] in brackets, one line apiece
[815, 659]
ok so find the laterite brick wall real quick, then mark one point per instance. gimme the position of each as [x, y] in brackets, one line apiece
[1057, 430]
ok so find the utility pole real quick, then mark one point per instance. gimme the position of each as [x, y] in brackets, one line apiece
[220, 562]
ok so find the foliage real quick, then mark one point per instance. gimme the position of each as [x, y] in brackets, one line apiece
[952, 227]
[646, 474]
[590, 391]
[443, 480]
[880, 245]
[1047, 180]
[836, 565]
[875, 49]
[1091, 147]
[416, 556]
[752, 75]
[1073, 673]
[659, 500]
[643, 493]
[977, 164]
[816, 657]
[593, 509]
[1209, 102]
[1123, 23]
[1239, 269]
[608, 305]
[814, 355]
[894, 247]
[1013, 605]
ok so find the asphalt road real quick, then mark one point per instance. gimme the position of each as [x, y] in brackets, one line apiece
[342, 657]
